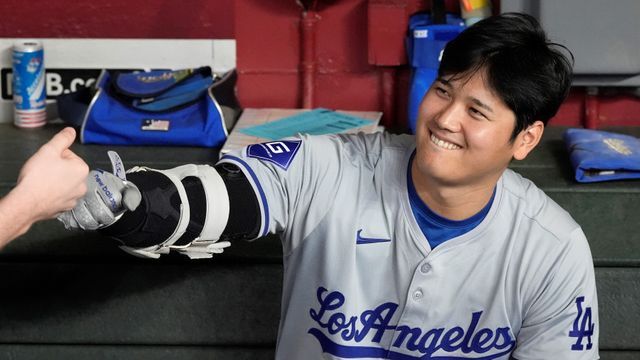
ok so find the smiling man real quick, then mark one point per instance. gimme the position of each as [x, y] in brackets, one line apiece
[396, 247]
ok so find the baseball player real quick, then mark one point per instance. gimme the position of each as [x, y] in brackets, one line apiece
[396, 247]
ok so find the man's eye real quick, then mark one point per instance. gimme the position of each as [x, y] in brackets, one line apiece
[441, 91]
[476, 113]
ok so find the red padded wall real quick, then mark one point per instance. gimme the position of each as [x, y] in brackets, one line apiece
[187, 19]
[269, 55]
[358, 43]
[348, 47]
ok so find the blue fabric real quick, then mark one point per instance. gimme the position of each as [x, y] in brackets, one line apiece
[165, 102]
[180, 116]
[438, 229]
[603, 156]
[424, 45]
[163, 90]
[156, 82]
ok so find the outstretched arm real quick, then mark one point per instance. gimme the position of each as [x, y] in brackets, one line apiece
[191, 209]
[50, 182]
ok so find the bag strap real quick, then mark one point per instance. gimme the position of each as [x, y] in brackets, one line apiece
[151, 84]
[160, 90]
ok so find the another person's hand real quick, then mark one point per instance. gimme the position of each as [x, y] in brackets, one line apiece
[54, 178]
[50, 182]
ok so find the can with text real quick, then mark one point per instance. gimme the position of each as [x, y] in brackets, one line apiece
[29, 95]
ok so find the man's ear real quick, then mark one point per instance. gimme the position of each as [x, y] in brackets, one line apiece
[527, 140]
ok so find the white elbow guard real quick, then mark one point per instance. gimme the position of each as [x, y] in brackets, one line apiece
[187, 209]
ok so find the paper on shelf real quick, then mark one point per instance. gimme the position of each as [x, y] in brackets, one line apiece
[367, 121]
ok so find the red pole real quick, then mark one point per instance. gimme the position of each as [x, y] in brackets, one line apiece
[388, 96]
[592, 108]
[308, 46]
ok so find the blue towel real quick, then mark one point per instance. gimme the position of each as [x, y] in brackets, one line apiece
[603, 156]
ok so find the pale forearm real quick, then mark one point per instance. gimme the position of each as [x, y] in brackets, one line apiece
[16, 215]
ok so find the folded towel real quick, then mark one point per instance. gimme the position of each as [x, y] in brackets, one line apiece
[602, 156]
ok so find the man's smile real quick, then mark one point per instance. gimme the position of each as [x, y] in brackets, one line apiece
[443, 143]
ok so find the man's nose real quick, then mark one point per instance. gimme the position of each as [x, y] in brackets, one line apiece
[449, 117]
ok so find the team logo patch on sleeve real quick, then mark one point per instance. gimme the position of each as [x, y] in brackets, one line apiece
[280, 153]
[583, 327]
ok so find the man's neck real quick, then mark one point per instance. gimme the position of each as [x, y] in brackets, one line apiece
[454, 202]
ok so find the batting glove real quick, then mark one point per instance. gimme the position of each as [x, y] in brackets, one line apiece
[108, 196]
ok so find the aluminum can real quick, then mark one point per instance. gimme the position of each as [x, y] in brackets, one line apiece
[29, 95]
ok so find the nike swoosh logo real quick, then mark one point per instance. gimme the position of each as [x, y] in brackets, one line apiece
[365, 240]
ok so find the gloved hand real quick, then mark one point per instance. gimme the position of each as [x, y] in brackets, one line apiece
[108, 196]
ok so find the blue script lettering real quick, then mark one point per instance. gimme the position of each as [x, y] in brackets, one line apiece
[373, 324]
[454, 339]
[451, 338]
[481, 338]
[377, 319]
[105, 190]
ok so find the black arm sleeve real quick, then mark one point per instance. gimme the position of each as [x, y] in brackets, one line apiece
[157, 216]
[155, 219]
[244, 210]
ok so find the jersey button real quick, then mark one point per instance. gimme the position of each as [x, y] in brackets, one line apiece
[425, 268]
[418, 295]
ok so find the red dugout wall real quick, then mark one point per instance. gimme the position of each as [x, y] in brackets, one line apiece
[159, 19]
[355, 45]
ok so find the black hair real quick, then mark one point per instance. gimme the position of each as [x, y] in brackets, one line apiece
[527, 71]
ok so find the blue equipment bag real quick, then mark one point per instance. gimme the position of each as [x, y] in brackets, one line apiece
[603, 156]
[161, 107]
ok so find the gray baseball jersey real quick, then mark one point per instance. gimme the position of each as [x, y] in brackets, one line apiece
[360, 280]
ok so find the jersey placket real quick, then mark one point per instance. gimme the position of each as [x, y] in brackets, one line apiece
[419, 298]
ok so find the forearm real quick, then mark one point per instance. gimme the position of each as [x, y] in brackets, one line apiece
[162, 210]
[244, 210]
[16, 215]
